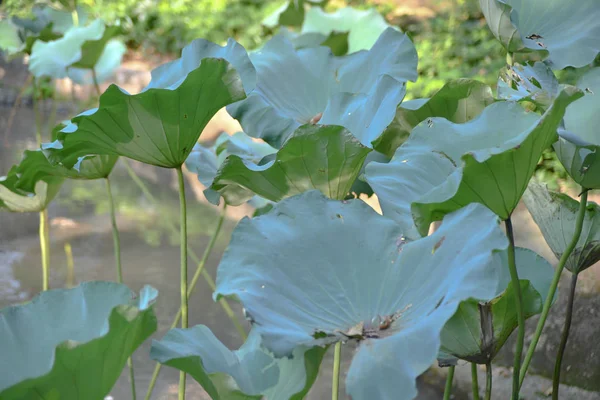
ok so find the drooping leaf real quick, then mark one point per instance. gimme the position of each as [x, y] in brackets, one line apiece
[458, 101]
[578, 146]
[568, 31]
[72, 343]
[315, 271]
[92, 50]
[555, 214]
[206, 161]
[109, 61]
[161, 125]
[478, 330]
[254, 370]
[16, 200]
[535, 83]
[444, 166]
[53, 58]
[323, 157]
[362, 26]
[360, 91]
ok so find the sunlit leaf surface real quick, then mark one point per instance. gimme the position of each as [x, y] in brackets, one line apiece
[72, 343]
[535, 83]
[314, 271]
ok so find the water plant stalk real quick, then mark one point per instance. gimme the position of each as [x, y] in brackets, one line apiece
[514, 278]
[36, 113]
[564, 337]
[488, 381]
[449, 379]
[96, 85]
[70, 265]
[474, 381]
[45, 249]
[199, 270]
[192, 254]
[554, 285]
[15, 107]
[117, 250]
[335, 379]
[183, 269]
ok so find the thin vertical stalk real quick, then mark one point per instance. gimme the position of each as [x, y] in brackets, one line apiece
[559, 268]
[449, 379]
[119, 268]
[96, 85]
[510, 59]
[192, 284]
[70, 265]
[474, 381]
[488, 381]
[192, 254]
[335, 379]
[15, 107]
[45, 249]
[514, 278]
[36, 113]
[564, 337]
[183, 269]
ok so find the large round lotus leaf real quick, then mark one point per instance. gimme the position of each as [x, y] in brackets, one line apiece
[578, 147]
[105, 67]
[60, 21]
[161, 125]
[478, 330]
[360, 91]
[535, 83]
[323, 157]
[555, 214]
[458, 101]
[72, 343]
[10, 42]
[14, 199]
[568, 30]
[444, 166]
[206, 161]
[53, 58]
[314, 271]
[363, 26]
[254, 370]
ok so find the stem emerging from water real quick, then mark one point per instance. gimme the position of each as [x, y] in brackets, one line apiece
[183, 270]
[335, 380]
[209, 280]
[45, 248]
[488, 381]
[117, 249]
[70, 265]
[554, 284]
[564, 337]
[514, 277]
[449, 379]
[96, 85]
[474, 381]
[195, 278]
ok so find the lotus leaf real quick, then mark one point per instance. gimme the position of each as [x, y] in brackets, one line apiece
[323, 157]
[360, 91]
[478, 330]
[567, 30]
[314, 271]
[16, 200]
[578, 146]
[555, 214]
[105, 67]
[72, 343]
[535, 83]
[253, 369]
[444, 166]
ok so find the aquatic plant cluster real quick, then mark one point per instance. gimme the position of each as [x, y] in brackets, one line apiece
[324, 123]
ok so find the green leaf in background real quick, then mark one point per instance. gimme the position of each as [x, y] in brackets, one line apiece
[535, 83]
[161, 125]
[567, 30]
[55, 57]
[254, 371]
[458, 101]
[323, 157]
[578, 146]
[16, 200]
[444, 166]
[478, 330]
[72, 343]
[555, 214]
[109, 61]
[10, 42]
[314, 271]
[92, 50]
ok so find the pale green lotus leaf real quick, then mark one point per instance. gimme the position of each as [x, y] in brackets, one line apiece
[105, 67]
[535, 83]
